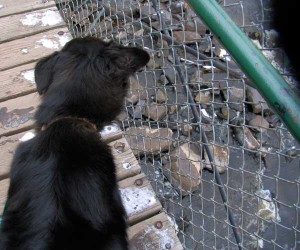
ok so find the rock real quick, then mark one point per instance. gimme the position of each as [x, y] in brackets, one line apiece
[186, 129]
[258, 123]
[160, 96]
[136, 91]
[137, 111]
[227, 113]
[177, 7]
[245, 137]
[220, 156]
[172, 109]
[187, 36]
[143, 140]
[235, 97]
[203, 98]
[257, 102]
[155, 112]
[152, 64]
[184, 168]
[148, 13]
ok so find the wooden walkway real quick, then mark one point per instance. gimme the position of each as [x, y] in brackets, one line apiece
[31, 29]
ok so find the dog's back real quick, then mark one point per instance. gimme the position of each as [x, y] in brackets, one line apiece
[64, 194]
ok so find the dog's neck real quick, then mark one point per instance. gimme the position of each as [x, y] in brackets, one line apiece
[45, 126]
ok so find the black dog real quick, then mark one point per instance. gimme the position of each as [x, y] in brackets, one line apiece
[63, 191]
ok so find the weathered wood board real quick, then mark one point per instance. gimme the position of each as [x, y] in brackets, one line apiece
[127, 165]
[155, 233]
[26, 24]
[16, 115]
[126, 162]
[32, 48]
[8, 7]
[139, 199]
[17, 81]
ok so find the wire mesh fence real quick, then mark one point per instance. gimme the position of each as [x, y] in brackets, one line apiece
[192, 99]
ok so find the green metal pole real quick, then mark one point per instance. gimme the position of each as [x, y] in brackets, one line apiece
[265, 77]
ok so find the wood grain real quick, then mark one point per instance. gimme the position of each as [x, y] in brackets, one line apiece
[29, 49]
[17, 82]
[154, 233]
[10, 7]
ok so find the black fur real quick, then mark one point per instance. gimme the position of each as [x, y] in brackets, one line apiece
[286, 22]
[63, 191]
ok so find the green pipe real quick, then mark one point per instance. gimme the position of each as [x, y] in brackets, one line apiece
[264, 76]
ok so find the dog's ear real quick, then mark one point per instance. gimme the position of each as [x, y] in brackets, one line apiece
[131, 59]
[43, 72]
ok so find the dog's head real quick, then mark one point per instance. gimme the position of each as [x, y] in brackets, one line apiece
[89, 74]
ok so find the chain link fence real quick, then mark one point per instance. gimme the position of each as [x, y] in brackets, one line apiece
[192, 96]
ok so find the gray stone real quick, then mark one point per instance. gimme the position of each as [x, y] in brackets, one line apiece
[184, 168]
[203, 98]
[155, 112]
[257, 102]
[186, 129]
[220, 157]
[160, 96]
[137, 111]
[187, 36]
[245, 137]
[143, 140]
[136, 91]
[227, 113]
[258, 123]
[235, 97]
[172, 109]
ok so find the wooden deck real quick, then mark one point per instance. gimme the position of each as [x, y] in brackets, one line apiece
[30, 30]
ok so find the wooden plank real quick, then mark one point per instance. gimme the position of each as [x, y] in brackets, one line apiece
[155, 233]
[127, 165]
[111, 133]
[17, 81]
[8, 7]
[3, 193]
[32, 48]
[138, 198]
[16, 115]
[7, 149]
[26, 24]
[126, 162]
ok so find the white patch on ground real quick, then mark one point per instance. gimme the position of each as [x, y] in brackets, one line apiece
[29, 75]
[136, 199]
[47, 18]
[162, 239]
[173, 223]
[1, 6]
[24, 51]
[47, 43]
[267, 208]
[204, 112]
[109, 129]
[27, 136]
[127, 165]
[224, 55]
[63, 39]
